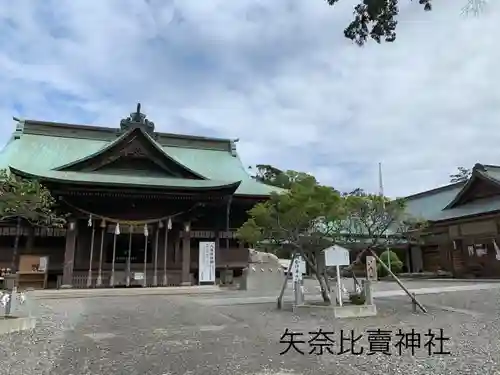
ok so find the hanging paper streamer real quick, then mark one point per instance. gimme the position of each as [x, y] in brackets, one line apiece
[146, 233]
[90, 220]
[470, 249]
[117, 229]
[169, 224]
[497, 250]
[480, 249]
[4, 299]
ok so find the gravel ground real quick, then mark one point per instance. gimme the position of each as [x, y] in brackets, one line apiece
[180, 335]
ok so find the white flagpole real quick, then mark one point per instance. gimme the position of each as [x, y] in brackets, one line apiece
[381, 192]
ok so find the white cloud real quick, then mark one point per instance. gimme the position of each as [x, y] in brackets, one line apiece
[277, 74]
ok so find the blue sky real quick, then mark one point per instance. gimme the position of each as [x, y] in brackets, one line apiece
[277, 74]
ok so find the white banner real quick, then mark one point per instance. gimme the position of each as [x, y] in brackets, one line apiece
[298, 268]
[206, 263]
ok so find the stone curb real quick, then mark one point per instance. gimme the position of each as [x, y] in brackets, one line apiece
[135, 292]
[16, 324]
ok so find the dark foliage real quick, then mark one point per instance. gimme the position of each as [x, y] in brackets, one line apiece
[375, 19]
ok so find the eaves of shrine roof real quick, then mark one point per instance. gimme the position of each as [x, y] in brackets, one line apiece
[103, 179]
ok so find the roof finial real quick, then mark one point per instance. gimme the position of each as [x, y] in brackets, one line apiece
[137, 119]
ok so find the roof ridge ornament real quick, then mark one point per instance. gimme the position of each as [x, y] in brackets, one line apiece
[137, 120]
[232, 148]
[19, 127]
[479, 167]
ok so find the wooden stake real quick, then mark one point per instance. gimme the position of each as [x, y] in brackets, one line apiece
[285, 282]
[412, 296]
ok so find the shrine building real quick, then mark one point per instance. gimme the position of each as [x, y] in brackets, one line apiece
[463, 233]
[139, 202]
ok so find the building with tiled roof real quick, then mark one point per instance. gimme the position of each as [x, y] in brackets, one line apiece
[141, 201]
[463, 224]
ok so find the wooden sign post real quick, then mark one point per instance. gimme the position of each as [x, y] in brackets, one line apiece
[337, 256]
[371, 268]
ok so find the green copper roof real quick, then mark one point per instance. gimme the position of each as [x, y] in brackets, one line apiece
[428, 204]
[38, 150]
[481, 206]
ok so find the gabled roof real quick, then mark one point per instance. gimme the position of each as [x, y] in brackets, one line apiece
[487, 173]
[428, 204]
[445, 203]
[41, 148]
[133, 139]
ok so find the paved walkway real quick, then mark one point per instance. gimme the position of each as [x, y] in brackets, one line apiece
[176, 335]
[240, 298]
[121, 292]
[311, 288]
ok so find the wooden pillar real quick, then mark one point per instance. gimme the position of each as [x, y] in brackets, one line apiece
[165, 248]
[101, 249]
[92, 242]
[129, 255]
[157, 239]
[217, 247]
[186, 256]
[69, 255]
[145, 265]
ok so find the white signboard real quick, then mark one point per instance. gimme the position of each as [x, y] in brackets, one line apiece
[138, 276]
[206, 263]
[371, 268]
[298, 268]
[44, 261]
[337, 256]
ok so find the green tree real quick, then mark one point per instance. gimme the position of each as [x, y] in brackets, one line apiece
[356, 192]
[377, 222]
[306, 218]
[28, 203]
[376, 19]
[269, 175]
[462, 175]
[389, 258]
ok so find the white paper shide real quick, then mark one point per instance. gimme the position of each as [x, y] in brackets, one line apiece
[206, 264]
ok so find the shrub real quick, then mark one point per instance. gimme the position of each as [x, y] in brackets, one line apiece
[396, 264]
[357, 298]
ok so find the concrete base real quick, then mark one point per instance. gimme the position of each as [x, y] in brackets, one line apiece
[354, 311]
[66, 286]
[346, 311]
[185, 283]
[16, 324]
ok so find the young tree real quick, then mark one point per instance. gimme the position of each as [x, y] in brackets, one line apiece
[26, 202]
[376, 222]
[305, 218]
[462, 175]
